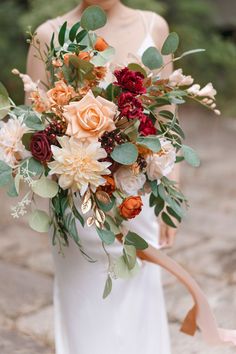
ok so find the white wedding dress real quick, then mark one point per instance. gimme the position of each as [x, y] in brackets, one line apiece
[132, 320]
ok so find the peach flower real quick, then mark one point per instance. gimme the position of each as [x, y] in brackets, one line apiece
[40, 101]
[61, 94]
[90, 117]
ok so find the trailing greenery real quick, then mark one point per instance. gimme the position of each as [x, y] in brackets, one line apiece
[194, 21]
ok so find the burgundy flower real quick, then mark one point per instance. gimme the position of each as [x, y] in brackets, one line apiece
[129, 80]
[40, 147]
[130, 106]
[146, 126]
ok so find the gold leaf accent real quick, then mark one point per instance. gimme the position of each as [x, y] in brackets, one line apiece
[90, 221]
[98, 224]
[86, 196]
[100, 215]
[86, 206]
[103, 197]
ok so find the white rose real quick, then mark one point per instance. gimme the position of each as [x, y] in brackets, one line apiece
[128, 182]
[178, 79]
[208, 91]
[162, 163]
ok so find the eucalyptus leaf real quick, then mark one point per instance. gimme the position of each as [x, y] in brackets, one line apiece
[45, 187]
[12, 191]
[93, 17]
[151, 142]
[108, 237]
[125, 154]
[101, 58]
[39, 221]
[4, 102]
[159, 206]
[190, 156]
[171, 44]
[34, 167]
[130, 255]
[5, 174]
[33, 121]
[108, 287]
[152, 58]
[135, 240]
[138, 68]
[121, 269]
[112, 224]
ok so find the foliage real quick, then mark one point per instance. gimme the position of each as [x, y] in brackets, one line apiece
[192, 20]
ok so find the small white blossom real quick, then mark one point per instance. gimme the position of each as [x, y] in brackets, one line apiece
[178, 79]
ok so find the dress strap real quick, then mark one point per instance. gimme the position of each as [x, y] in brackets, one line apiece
[148, 22]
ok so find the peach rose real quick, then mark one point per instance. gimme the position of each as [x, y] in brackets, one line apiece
[61, 94]
[90, 117]
[131, 207]
[100, 44]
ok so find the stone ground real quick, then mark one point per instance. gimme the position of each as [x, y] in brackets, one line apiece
[205, 246]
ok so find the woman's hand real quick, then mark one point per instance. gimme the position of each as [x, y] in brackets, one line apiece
[167, 235]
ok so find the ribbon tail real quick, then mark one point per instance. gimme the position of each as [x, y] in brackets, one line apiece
[200, 315]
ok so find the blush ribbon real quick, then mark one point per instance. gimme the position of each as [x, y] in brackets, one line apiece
[200, 316]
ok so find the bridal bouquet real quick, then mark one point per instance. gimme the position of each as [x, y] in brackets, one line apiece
[94, 149]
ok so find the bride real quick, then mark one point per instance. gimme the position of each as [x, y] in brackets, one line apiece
[132, 320]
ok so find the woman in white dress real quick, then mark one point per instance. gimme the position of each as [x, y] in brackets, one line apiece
[132, 320]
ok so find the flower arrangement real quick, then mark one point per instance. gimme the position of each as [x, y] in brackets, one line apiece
[104, 146]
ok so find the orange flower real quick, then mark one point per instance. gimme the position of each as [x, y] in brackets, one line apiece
[84, 56]
[61, 94]
[57, 63]
[67, 56]
[110, 186]
[131, 207]
[40, 103]
[100, 44]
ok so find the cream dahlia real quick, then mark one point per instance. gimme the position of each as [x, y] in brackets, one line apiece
[77, 164]
[11, 147]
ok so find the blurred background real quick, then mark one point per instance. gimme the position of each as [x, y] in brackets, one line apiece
[205, 244]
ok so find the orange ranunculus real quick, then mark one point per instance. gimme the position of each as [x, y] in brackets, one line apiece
[131, 207]
[61, 94]
[40, 102]
[100, 44]
[84, 56]
[110, 186]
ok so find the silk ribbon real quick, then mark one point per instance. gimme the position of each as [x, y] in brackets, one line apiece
[200, 316]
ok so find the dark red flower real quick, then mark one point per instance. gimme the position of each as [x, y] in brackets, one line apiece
[40, 147]
[130, 106]
[146, 126]
[129, 80]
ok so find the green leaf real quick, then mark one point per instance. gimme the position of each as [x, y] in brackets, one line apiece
[5, 174]
[39, 221]
[179, 159]
[167, 220]
[112, 91]
[159, 206]
[152, 58]
[81, 35]
[153, 185]
[151, 142]
[26, 139]
[33, 121]
[108, 237]
[4, 102]
[34, 167]
[84, 66]
[190, 156]
[78, 215]
[106, 207]
[166, 114]
[173, 213]
[12, 191]
[103, 57]
[73, 31]
[125, 154]
[138, 68]
[121, 269]
[45, 187]
[62, 34]
[135, 240]
[93, 17]
[130, 255]
[171, 44]
[108, 287]
[112, 224]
